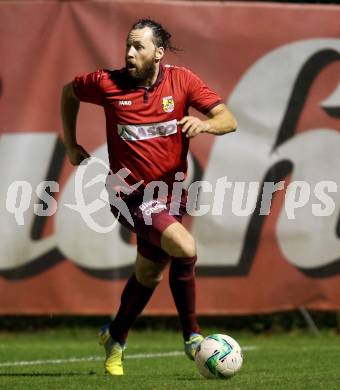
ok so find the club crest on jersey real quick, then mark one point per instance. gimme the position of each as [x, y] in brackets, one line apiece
[168, 104]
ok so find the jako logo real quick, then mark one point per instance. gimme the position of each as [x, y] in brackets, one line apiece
[125, 102]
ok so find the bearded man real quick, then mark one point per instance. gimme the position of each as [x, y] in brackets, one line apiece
[148, 132]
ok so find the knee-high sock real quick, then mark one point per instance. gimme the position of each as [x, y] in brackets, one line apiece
[182, 285]
[134, 298]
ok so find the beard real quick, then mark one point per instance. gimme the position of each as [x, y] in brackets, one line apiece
[144, 73]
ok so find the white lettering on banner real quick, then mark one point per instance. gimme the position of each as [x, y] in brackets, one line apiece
[248, 154]
[307, 241]
[24, 156]
[145, 131]
[76, 239]
[317, 244]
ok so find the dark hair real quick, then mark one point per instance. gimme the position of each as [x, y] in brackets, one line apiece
[161, 37]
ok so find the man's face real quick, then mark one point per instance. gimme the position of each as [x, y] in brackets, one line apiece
[141, 54]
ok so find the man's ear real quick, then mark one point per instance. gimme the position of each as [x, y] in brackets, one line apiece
[159, 53]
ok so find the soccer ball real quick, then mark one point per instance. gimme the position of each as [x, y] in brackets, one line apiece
[218, 356]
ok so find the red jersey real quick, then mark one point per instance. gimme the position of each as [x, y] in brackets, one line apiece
[141, 122]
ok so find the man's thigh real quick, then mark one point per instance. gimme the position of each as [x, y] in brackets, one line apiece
[177, 241]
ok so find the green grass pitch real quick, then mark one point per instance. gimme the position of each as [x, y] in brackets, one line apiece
[72, 359]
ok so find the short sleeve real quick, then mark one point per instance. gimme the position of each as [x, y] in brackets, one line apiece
[200, 97]
[87, 87]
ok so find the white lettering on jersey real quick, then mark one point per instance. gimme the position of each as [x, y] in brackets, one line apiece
[146, 131]
[125, 102]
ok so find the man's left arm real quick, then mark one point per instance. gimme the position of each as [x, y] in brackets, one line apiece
[220, 121]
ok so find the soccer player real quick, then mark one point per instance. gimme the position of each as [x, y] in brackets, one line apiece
[148, 131]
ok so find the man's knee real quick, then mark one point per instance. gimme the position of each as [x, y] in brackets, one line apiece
[148, 273]
[184, 248]
[178, 242]
[149, 279]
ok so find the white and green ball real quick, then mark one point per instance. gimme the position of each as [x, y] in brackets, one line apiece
[218, 356]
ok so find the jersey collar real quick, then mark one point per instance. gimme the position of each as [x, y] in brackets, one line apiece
[159, 79]
[127, 84]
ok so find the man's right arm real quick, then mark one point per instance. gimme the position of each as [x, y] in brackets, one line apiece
[69, 111]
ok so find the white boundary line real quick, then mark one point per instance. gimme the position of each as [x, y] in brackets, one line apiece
[100, 358]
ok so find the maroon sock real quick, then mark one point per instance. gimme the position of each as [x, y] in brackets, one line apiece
[182, 285]
[134, 298]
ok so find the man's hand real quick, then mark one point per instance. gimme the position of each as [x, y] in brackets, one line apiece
[193, 126]
[76, 154]
[221, 121]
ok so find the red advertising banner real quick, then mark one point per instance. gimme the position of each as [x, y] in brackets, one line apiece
[270, 242]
